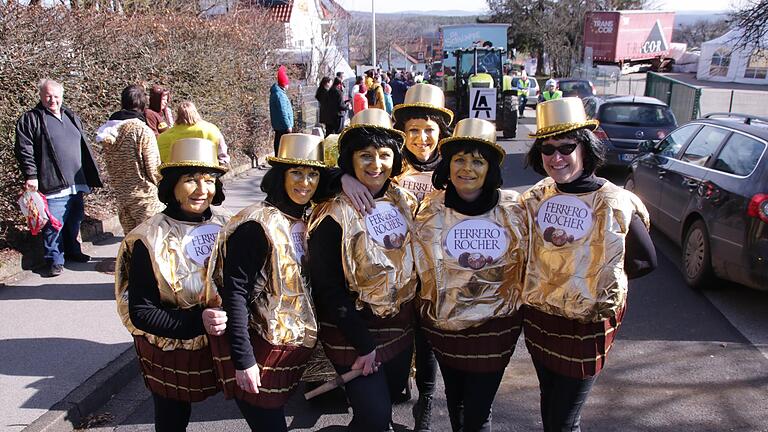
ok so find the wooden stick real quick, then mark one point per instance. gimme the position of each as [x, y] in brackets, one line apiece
[336, 382]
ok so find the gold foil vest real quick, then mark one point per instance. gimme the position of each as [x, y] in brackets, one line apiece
[576, 255]
[280, 302]
[461, 289]
[419, 183]
[180, 280]
[380, 272]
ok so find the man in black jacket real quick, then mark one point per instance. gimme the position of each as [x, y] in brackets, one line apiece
[57, 161]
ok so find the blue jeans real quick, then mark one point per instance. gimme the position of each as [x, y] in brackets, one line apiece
[522, 101]
[69, 211]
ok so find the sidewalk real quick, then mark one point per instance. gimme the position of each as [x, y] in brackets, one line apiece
[62, 345]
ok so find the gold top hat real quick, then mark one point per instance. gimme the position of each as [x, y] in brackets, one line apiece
[558, 116]
[477, 130]
[193, 152]
[373, 118]
[300, 149]
[425, 96]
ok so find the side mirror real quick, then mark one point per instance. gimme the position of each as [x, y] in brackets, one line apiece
[647, 146]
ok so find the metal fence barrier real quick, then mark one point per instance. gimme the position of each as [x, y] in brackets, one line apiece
[683, 99]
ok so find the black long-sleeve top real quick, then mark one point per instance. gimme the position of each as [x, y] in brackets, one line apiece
[145, 308]
[640, 254]
[334, 302]
[247, 251]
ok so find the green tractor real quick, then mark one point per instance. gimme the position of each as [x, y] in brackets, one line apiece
[478, 68]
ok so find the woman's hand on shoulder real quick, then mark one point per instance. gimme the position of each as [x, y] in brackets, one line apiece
[214, 321]
[357, 193]
[249, 380]
[367, 363]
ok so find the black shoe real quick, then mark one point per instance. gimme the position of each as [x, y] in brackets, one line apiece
[78, 257]
[422, 414]
[55, 270]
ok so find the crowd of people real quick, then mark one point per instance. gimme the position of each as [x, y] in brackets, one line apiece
[406, 252]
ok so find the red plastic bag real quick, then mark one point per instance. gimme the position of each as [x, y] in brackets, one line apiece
[34, 207]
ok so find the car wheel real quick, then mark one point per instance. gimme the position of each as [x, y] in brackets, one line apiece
[629, 184]
[697, 262]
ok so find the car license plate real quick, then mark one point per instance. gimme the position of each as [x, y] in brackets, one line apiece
[627, 156]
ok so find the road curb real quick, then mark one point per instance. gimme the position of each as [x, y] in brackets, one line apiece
[89, 396]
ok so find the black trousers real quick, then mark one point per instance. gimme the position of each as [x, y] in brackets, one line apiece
[470, 398]
[261, 419]
[562, 398]
[171, 415]
[426, 364]
[371, 396]
[278, 135]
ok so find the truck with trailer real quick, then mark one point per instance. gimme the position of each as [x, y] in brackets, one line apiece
[625, 38]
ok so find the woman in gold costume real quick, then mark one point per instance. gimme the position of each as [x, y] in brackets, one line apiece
[587, 238]
[160, 284]
[363, 279]
[470, 252]
[259, 269]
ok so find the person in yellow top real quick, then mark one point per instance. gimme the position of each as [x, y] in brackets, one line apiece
[551, 92]
[189, 124]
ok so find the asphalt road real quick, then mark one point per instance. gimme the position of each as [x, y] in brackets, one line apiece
[684, 360]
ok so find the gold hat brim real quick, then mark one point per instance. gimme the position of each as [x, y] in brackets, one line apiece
[272, 160]
[444, 112]
[499, 149]
[394, 133]
[196, 164]
[562, 128]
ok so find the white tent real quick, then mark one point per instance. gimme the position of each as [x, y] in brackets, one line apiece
[721, 61]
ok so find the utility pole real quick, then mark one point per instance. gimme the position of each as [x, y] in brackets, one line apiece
[373, 33]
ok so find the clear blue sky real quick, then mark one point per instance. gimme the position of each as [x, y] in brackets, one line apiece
[428, 5]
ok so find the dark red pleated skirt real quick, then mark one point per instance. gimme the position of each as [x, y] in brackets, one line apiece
[392, 335]
[280, 369]
[569, 347]
[485, 348]
[180, 374]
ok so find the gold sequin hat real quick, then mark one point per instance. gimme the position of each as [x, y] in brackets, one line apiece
[425, 96]
[300, 149]
[558, 116]
[193, 152]
[372, 118]
[474, 130]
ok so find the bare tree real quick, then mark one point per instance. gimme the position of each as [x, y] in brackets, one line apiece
[696, 33]
[752, 22]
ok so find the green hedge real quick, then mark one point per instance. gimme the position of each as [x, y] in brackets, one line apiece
[224, 65]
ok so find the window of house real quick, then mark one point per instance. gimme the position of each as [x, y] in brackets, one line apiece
[757, 66]
[740, 155]
[721, 59]
[704, 145]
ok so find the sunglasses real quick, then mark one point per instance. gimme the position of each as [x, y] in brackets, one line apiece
[565, 149]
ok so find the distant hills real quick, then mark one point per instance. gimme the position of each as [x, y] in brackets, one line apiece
[690, 17]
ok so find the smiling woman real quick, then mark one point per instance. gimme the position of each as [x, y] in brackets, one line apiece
[470, 238]
[363, 280]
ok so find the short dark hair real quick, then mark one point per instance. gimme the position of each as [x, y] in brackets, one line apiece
[594, 151]
[360, 138]
[171, 176]
[133, 98]
[409, 113]
[273, 183]
[442, 175]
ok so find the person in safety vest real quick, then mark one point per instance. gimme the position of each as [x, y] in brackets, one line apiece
[550, 91]
[507, 84]
[522, 92]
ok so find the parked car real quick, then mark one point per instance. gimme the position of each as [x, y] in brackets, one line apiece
[706, 187]
[626, 121]
[576, 87]
[533, 90]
